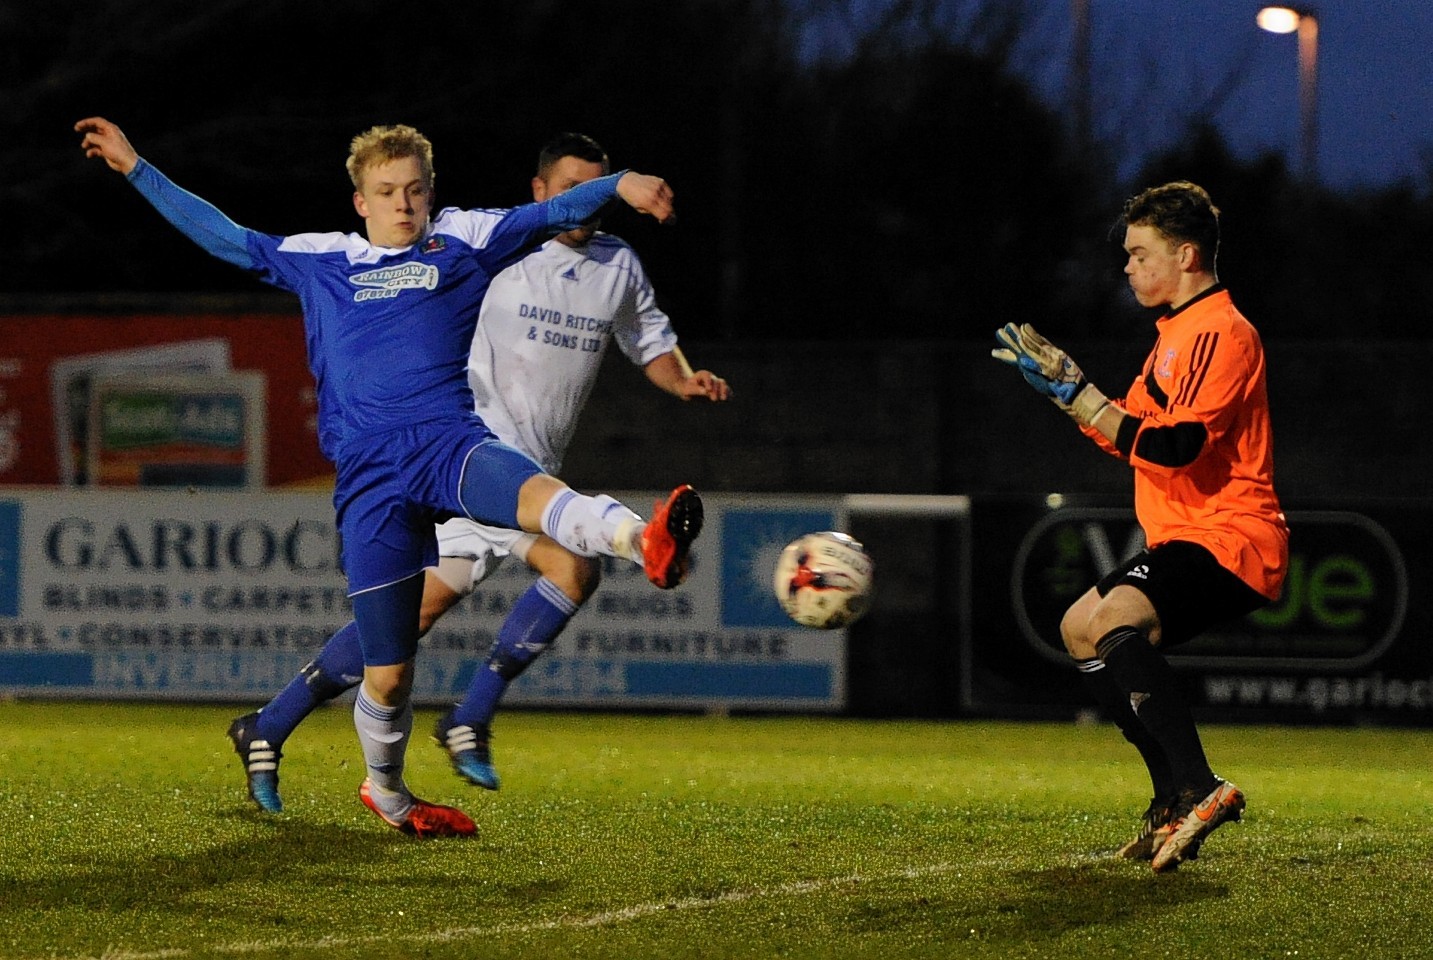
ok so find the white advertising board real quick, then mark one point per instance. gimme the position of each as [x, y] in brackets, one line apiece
[223, 596]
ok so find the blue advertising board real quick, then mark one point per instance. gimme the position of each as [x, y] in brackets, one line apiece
[213, 595]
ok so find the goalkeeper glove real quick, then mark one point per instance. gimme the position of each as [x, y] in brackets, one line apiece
[1049, 370]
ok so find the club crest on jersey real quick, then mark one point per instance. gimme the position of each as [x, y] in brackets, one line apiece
[434, 244]
[1166, 364]
[388, 282]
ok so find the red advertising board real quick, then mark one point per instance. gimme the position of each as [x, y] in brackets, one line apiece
[49, 364]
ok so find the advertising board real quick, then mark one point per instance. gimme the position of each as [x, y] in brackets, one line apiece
[52, 369]
[210, 595]
[1347, 638]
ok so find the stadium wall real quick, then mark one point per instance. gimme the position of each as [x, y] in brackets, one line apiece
[808, 417]
[814, 418]
[943, 417]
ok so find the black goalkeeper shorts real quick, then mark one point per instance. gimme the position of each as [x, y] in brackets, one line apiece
[1189, 590]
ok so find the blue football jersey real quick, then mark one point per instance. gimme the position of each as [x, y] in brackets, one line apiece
[388, 330]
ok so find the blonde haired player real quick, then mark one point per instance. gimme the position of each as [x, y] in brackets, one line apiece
[544, 327]
[388, 318]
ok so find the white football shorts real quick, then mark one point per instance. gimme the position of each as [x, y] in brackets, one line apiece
[468, 551]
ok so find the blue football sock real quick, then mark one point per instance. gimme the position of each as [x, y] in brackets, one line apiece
[536, 619]
[338, 667]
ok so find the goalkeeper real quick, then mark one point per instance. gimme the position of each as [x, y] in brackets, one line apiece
[1194, 426]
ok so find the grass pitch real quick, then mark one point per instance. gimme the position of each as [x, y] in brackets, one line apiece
[127, 835]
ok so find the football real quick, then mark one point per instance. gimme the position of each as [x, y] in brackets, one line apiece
[823, 580]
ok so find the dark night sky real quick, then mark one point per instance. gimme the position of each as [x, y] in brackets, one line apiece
[1156, 63]
[1375, 79]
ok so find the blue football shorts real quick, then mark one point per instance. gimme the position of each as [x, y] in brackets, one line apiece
[395, 486]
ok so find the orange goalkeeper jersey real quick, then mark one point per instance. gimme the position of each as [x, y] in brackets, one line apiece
[1200, 442]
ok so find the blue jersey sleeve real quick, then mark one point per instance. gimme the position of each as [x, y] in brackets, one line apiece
[573, 208]
[197, 219]
[528, 226]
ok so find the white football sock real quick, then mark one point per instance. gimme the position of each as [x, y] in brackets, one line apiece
[589, 526]
[384, 733]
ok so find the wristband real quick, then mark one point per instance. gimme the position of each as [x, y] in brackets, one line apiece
[1088, 404]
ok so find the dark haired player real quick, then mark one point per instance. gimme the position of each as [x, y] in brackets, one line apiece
[1194, 426]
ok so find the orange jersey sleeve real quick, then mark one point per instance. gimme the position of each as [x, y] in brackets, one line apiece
[1201, 445]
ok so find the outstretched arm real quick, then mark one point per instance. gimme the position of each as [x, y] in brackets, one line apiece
[530, 225]
[197, 219]
[671, 372]
[586, 201]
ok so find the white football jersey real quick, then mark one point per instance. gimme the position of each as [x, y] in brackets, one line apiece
[544, 327]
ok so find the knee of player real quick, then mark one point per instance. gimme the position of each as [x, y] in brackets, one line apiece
[577, 577]
[1122, 607]
[1075, 632]
[389, 685]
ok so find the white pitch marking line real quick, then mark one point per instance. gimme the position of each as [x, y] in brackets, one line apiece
[603, 919]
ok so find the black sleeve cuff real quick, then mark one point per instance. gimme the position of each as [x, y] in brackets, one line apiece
[1124, 436]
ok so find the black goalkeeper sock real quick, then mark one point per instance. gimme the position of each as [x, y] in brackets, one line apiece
[1142, 673]
[1114, 706]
